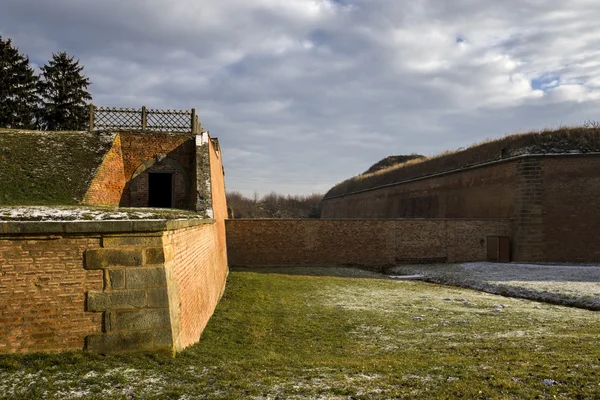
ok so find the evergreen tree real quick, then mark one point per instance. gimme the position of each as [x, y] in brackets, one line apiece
[18, 99]
[64, 95]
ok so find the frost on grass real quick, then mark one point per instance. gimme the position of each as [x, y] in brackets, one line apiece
[119, 382]
[44, 213]
[571, 285]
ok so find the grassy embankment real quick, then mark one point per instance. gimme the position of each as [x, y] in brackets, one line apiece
[577, 139]
[283, 336]
[48, 168]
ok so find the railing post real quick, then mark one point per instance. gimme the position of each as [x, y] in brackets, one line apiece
[144, 118]
[193, 121]
[92, 117]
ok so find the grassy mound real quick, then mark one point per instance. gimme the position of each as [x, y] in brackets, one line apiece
[581, 139]
[49, 168]
[391, 161]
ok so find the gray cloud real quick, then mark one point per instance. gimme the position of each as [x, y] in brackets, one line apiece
[305, 93]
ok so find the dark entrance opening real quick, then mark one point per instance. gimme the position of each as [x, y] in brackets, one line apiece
[160, 190]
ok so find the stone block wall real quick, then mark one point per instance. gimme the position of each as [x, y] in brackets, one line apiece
[368, 243]
[108, 286]
[135, 298]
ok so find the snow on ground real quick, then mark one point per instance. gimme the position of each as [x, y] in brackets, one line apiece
[45, 213]
[574, 285]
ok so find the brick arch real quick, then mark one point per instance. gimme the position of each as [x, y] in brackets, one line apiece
[138, 187]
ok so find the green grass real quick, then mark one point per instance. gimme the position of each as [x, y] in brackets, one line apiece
[291, 336]
[48, 168]
[580, 139]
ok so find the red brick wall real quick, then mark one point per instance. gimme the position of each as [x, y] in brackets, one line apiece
[553, 201]
[219, 202]
[42, 294]
[571, 208]
[199, 272]
[109, 181]
[112, 183]
[486, 192]
[140, 147]
[358, 242]
[200, 261]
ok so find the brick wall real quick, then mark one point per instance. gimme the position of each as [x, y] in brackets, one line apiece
[109, 180]
[486, 192]
[42, 293]
[371, 243]
[571, 208]
[199, 271]
[115, 184]
[219, 201]
[552, 200]
[138, 148]
[108, 292]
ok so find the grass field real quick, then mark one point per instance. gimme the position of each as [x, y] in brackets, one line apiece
[278, 336]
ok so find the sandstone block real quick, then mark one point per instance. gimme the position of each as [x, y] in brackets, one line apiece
[113, 241]
[163, 338]
[146, 277]
[105, 343]
[118, 300]
[116, 279]
[143, 319]
[158, 297]
[154, 255]
[103, 258]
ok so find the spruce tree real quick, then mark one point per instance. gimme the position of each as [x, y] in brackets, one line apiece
[64, 95]
[18, 99]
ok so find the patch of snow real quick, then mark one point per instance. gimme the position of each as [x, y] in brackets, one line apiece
[45, 213]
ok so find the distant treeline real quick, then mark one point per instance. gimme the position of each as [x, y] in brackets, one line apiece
[274, 205]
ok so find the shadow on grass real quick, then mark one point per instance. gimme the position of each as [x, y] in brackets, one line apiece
[342, 272]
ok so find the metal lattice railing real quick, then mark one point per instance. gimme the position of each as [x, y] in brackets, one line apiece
[144, 119]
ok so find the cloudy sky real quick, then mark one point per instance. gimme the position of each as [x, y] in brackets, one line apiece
[305, 93]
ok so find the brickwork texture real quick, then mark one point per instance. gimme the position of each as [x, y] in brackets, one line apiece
[42, 293]
[369, 243]
[116, 182]
[552, 201]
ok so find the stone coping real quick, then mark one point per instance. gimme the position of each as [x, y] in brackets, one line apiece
[33, 227]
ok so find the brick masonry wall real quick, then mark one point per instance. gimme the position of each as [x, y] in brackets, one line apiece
[113, 183]
[528, 225]
[138, 148]
[553, 201]
[219, 201]
[42, 293]
[571, 208]
[109, 181]
[198, 275]
[109, 292]
[372, 243]
[486, 192]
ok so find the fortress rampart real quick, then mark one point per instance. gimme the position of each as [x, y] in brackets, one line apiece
[550, 194]
[110, 285]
